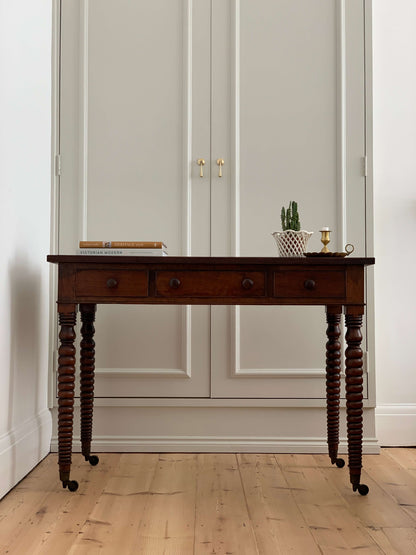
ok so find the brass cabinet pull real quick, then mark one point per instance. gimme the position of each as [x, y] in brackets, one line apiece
[201, 163]
[220, 163]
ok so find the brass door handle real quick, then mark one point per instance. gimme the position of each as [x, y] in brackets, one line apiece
[201, 163]
[220, 163]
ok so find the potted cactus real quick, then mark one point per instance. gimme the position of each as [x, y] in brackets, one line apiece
[292, 240]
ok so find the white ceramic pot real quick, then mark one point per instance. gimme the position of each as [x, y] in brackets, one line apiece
[292, 243]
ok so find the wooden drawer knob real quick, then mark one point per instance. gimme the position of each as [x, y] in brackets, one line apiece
[175, 283]
[247, 283]
[309, 284]
[111, 283]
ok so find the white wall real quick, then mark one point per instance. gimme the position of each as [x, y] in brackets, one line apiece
[25, 178]
[394, 89]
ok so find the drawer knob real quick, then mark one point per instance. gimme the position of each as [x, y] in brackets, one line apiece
[247, 283]
[111, 283]
[309, 284]
[175, 283]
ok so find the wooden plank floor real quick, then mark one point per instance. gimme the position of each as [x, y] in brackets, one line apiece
[242, 504]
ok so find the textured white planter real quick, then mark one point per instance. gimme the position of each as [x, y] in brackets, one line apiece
[292, 243]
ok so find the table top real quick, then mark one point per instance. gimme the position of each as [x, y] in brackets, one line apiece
[212, 260]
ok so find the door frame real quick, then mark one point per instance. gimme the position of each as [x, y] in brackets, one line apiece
[54, 204]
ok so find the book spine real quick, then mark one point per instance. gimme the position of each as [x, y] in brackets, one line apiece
[121, 245]
[122, 252]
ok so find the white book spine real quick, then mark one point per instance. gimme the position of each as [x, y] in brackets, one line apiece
[123, 252]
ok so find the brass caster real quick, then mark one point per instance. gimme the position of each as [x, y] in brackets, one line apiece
[71, 484]
[92, 459]
[363, 489]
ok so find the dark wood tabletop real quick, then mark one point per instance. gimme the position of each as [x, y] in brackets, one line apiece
[213, 260]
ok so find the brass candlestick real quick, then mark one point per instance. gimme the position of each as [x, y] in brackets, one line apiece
[325, 231]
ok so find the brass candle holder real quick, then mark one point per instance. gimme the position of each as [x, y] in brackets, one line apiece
[325, 231]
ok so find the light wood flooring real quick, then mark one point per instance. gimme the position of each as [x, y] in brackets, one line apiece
[213, 504]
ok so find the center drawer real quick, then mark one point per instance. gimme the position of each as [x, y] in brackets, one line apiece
[111, 283]
[210, 284]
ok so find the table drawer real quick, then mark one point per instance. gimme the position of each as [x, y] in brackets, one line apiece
[111, 283]
[210, 284]
[315, 284]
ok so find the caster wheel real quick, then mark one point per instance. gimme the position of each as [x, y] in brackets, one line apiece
[340, 463]
[93, 460]
[363, 489]
[72, 485]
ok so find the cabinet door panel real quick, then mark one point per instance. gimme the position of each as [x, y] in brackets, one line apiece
[134, 115]
[293, 74]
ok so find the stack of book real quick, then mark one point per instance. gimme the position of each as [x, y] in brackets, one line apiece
[123, 248]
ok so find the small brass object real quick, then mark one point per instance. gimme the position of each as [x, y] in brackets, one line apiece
[349, 248]
[325, 231]
[201, 163]
[220, 163]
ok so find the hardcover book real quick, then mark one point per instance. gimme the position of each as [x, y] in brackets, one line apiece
[122, 252]
[122, 245]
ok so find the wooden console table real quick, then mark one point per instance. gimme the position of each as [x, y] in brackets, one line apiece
[336, 283]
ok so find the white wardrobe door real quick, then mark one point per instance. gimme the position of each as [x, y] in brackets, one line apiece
[288, 90]
[135, 115]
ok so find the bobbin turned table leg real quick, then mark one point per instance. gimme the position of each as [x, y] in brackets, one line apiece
[87, 367]
[333, 384]
[66, 383]
[354, 394]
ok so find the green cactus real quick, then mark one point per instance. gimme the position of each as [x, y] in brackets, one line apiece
[283, 218]
[290, 217]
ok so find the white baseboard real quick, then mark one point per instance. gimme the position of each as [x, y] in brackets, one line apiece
[396, 425]
[197, 444]
[22, 448]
